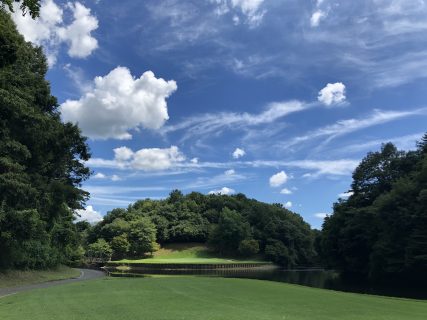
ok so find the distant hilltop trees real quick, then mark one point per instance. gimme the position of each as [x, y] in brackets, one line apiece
[231, 225]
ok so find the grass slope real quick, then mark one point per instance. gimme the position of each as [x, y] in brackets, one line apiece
[184, 253]
[15, 278]
[174, 298]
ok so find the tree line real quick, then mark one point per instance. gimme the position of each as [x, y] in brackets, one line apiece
[380, 231]
[230, 225]
[41, 161]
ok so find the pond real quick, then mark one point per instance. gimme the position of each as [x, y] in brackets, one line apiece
[317, 278]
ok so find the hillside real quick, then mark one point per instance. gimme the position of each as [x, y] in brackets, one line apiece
[188, 253]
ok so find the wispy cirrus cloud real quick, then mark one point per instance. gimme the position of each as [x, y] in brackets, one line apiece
[316, 167]
[381, 31]
[406, 142]
[206, 124]
[247, 10]
[343, 127]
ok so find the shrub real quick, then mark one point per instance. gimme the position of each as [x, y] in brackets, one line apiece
[277, 252]
[249, 247]
[120, 246]
[100, 251]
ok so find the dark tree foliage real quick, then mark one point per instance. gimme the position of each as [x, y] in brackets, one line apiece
[41, 166]
[226, 222]
[381, 230]
[27, 6]
[248, 247]
[230, 231]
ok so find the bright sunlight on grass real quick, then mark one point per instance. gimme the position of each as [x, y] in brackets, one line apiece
[201, 298]
[188, 253]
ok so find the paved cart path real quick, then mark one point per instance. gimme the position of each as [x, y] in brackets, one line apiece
[85, 274]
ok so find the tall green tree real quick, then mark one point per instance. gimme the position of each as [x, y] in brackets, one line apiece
[229, 232]
[381, 230]
[142, 237]
[41, 158]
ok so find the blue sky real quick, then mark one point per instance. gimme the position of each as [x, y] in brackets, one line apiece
[278, 100]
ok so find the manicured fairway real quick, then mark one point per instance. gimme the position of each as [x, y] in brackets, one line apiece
[177, 298]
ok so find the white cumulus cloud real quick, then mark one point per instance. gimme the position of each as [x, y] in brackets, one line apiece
[118, 102]
[50, 31]
[288, 204]
[99, 175]
[122, 154]
[223, 191]
[89, 214]
[278, 179]
[78, 33]
[332, 94]
[285, 191]
[238, 153]
[148, 159]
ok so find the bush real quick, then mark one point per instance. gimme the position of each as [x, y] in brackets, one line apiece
[277, 252]
[75, 256]
[142, 237]
[231, 229]
[120, 246]
[249, 247]
[100, 251]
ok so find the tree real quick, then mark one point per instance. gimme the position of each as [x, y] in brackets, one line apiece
[227, 223]
[100, 251]
[41, 158]
[229, 232]
[277, 252]
[31, 6]
[248, 248]
[120, 245]
[116, 228]
[142, 237]
[376, 173]
[381, 230]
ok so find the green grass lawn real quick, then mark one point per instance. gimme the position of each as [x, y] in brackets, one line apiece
[189, 261]
[14, 278]
[193, 253]
[175, 298]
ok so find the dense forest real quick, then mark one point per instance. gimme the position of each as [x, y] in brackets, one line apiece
[380, 231]
[41, 161]
[232, 225]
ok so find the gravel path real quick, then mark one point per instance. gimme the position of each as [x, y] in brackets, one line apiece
[85, 274]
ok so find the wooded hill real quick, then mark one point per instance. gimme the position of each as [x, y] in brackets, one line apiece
[232, 225]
